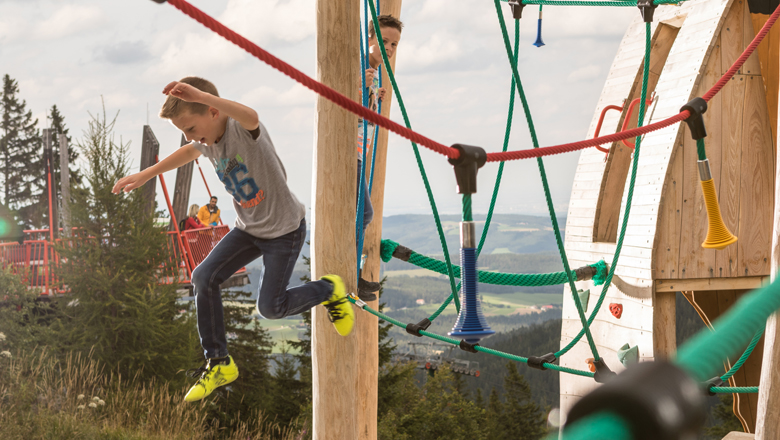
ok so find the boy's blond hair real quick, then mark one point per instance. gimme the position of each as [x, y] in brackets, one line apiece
[385, 21]
[174, 107]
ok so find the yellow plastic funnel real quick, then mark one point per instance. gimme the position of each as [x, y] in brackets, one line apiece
[718, 235]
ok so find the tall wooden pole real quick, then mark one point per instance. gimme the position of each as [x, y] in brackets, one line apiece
[181, 191]
[768, 413]
[335, 358]
[367, 327]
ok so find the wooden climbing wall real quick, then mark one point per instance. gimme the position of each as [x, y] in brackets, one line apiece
[692, 46]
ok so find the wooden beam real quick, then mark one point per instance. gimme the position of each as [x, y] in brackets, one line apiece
[181, 192]
[367, 325]
[702, 284]
[768, 412]
[150, 148]
[65, 184]
[335, 358]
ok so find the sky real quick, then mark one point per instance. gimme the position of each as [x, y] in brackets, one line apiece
[451, 68]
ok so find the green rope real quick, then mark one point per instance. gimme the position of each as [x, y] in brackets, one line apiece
[744, 356]
[700, 149]
[487, 277]
[467, 216]
[739, 390]
[479, 348]
[601, 273]
[497, 186]
[546, 186]
[629, 197]
[416, 155]
[703, 355]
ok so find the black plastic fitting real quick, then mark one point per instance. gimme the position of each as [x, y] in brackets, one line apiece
[647, 8]
[585, 273]
[603, 373]
[696, 107]
[466, 166]
[465, 346]
[539, 361]
[160, 1]
[714, 382]
[414, 329]
[658, 400]
[517, 8]
[402, 253]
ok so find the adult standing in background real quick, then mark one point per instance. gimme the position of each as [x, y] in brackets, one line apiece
[209, 214]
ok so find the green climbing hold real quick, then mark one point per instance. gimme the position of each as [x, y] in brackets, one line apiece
[628, 355]
[584, 297]
[386, 250]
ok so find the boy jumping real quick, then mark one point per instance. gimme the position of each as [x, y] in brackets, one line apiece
[390, 27]
[270, 221]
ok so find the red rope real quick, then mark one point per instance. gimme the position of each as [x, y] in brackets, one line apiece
[352, 106]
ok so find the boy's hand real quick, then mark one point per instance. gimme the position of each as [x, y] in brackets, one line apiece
[183, 91]
[381, 92]
[131, 182]
[370, 76]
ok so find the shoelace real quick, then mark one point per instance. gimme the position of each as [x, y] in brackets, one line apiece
[196, 373]
[334, 314]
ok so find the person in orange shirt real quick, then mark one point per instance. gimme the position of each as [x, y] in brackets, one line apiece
[209, 214]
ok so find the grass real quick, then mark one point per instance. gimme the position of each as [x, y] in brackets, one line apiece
[46, 397]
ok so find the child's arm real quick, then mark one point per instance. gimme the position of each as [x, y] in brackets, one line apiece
[241, 113]
[182, 156]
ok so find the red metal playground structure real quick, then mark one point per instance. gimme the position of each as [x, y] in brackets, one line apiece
[34, 257]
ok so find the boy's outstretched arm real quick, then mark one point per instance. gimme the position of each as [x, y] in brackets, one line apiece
[241, 113]
[182, 156]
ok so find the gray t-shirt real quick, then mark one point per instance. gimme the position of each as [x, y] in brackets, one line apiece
[252, 172]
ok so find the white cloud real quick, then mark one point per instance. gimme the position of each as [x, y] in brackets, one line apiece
[585, 73]
[69, 20]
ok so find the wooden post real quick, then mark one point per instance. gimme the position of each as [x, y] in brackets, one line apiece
[367, 327]
[65, 185]
[768, 417]
[335, 365]
[150, 148]
[181, 192]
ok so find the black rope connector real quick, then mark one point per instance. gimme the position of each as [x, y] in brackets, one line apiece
[603, 373]
[646, 7]
[714, 382]
[160, 1]
[585, 273]
[465, 346]
[466, 166]
[517, 8]
[696, 107]
[402, 253]
[658, 400]
[539, 361]
[414, 329]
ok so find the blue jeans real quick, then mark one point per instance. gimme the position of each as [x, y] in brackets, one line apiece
[368, 209]
[275, 301]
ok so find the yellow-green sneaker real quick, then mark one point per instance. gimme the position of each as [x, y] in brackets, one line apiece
[211, 377]
[340, 310]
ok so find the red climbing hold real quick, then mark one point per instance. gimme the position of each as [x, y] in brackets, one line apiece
[616, 309]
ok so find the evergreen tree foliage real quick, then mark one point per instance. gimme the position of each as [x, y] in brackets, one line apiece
[24, 318]
[20, 150]
[116, 307]
[726, 421]
[521, 418]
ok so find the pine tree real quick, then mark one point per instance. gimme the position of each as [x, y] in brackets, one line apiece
[494, 415]
[116, 307]
[522, 417]
[723, 414]
[20, 147]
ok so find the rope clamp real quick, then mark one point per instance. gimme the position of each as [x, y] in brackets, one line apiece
[603, 373]
[403, 253]
[466, 166]
[716, 381]
[585, 273]
[646, 7]
[657, 400]
[414, 329]
[358, 302]
[465, 346]
[696, 107]
[539, 361]
[517, 8]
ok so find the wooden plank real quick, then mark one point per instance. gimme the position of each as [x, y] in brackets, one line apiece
[731, 35]
[757, 183]
[752, 64]
[669, 230]
[709, 284]
[664, 325]
[768, 52]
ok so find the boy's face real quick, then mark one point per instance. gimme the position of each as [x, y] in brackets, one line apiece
[391, 37]
[204, 128]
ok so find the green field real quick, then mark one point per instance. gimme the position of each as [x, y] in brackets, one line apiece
[281, 330]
